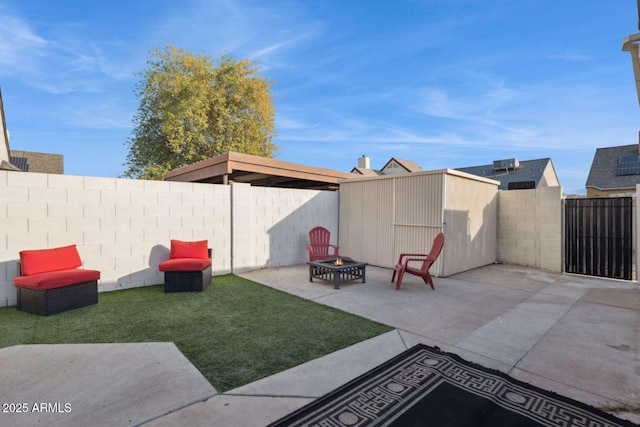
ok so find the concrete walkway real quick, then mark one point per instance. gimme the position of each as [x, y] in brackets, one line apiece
[574, 335]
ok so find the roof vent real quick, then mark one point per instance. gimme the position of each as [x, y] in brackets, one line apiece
[506, 164]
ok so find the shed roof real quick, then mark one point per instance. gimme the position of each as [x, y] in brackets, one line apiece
[455, 172]
[603, 173]
[529, 170]
[258, 171]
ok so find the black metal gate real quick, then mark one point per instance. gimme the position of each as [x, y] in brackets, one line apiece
[598, 237]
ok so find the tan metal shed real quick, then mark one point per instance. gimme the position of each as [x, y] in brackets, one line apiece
[381, 217]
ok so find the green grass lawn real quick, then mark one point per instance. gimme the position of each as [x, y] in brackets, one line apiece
[235, 332]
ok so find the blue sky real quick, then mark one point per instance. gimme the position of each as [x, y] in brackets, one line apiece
[446, 83]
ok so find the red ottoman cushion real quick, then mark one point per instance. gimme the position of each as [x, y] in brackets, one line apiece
[185, 264]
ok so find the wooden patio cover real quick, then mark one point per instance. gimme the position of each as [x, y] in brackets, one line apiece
[258, 171]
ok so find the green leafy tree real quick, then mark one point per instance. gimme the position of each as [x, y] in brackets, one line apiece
[192, 108]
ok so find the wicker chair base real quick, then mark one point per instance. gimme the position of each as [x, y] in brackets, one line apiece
[57, 300]
[187, 281]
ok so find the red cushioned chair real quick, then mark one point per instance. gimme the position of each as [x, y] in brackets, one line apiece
[427, 261]
[51, 281]
[188, 268]
[319, 247]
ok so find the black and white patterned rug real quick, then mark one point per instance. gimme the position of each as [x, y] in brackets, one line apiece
[426, 387]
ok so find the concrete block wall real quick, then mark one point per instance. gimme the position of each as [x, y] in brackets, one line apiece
[270, 226]
[530, 227]
[551, 228]
[123, 227]
[281, 220]
[518, 227]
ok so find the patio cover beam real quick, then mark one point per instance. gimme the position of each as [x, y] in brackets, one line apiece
[258, 171]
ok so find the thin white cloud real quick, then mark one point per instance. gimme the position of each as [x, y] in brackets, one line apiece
[243, 30]
[475, 107]
[333, 127]
[289, 123]
[268, 50]
[101, 113]
[70, 63]
[19, 32]
[19, 46]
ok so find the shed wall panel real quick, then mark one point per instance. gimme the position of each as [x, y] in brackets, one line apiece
[470, 217]
[377, 216]
[351, 220]
[366, 213]
[418, 215]
[419, 200]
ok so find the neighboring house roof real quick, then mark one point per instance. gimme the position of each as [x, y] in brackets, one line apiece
[20, 162]
[25, 160]
[366, 172]
[6, 166]
[409, 165]
[32, 161]
[393, 166]
[529, 170]
[603, 174]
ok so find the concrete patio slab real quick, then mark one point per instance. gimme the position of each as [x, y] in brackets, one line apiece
[595, 348]
[226, 410]
[624, 298]
[448, 314]
[509, 337]
[413, 339]
[318, 377]
[516, 277]
[578, 336]
[97, 384]
[590, 282]
[564, 291]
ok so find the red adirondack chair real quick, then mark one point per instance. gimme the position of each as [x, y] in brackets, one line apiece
[319, 247]
[427, 260]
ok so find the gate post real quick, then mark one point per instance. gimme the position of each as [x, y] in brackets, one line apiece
[636, 234]
[551, 236]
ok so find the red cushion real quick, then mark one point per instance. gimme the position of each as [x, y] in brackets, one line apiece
[46, 260]
[56, 279]
[184, 264]
[180, 249]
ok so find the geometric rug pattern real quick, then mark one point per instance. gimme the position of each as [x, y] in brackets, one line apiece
[425, 386]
